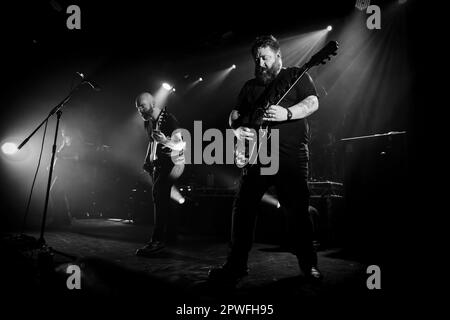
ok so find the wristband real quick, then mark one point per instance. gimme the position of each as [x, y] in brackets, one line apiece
[289, 114]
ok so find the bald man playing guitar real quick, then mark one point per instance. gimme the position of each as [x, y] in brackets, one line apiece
[164, 162]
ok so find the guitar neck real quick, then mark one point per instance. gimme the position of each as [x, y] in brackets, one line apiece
[153, 145]
[303, 70]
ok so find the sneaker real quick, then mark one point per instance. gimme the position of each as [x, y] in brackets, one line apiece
[150, 248]
[311, 272]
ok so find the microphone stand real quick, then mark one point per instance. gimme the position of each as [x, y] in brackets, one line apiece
[46, 253]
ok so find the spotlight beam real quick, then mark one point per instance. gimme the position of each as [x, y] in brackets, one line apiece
[9, 148]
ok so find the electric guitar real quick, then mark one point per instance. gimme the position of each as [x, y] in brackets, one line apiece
[151, 157]
[254, 119]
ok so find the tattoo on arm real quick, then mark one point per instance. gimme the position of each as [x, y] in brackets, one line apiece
[305, 107]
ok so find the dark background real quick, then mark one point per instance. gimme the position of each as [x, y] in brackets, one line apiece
[131, 47]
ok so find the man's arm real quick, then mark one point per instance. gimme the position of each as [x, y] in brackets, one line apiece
[239, 131]
[175, 142]
[301, 110]
[304, 108]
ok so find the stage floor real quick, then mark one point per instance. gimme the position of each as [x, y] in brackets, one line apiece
[105, 252]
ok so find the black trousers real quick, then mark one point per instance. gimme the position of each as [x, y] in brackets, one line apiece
[164, 221]
[293, 194]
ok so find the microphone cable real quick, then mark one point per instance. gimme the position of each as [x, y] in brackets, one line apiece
[34, 180]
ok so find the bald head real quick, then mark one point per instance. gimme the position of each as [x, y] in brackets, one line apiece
[144, 97]
[145, 104]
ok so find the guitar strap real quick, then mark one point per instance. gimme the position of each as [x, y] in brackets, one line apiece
[148, 124]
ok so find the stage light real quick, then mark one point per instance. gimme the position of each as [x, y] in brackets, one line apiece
[173, 89]
[298, 48]
[329, 28]
[9, 148]
[233, 66]
[176, 195]
[166, 86]
[270, 199]
[200, 79]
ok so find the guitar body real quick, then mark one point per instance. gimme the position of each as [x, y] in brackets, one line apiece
[172, 168]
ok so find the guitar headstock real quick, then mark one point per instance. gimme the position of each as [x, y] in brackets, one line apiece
[323, 55]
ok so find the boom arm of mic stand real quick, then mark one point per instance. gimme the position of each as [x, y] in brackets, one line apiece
[52, 112]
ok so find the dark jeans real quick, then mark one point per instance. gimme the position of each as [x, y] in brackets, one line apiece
[163, 180]
[293, 194]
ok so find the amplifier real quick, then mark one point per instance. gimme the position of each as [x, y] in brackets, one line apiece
[322, 188]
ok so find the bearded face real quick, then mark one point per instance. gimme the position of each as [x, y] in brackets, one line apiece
[267, 65]
[145, 106]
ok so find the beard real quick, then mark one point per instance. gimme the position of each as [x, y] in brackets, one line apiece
[145, 115]
[267, 75]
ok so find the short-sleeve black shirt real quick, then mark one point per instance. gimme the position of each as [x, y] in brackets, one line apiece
[294, 134]
[168, 125]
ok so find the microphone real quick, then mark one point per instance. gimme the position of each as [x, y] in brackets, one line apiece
[93, 84]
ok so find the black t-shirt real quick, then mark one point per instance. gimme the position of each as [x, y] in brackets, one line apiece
[294, 134]
[168, 124]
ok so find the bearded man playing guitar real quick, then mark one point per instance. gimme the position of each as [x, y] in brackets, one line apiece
[289, 117]
[164, 161]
